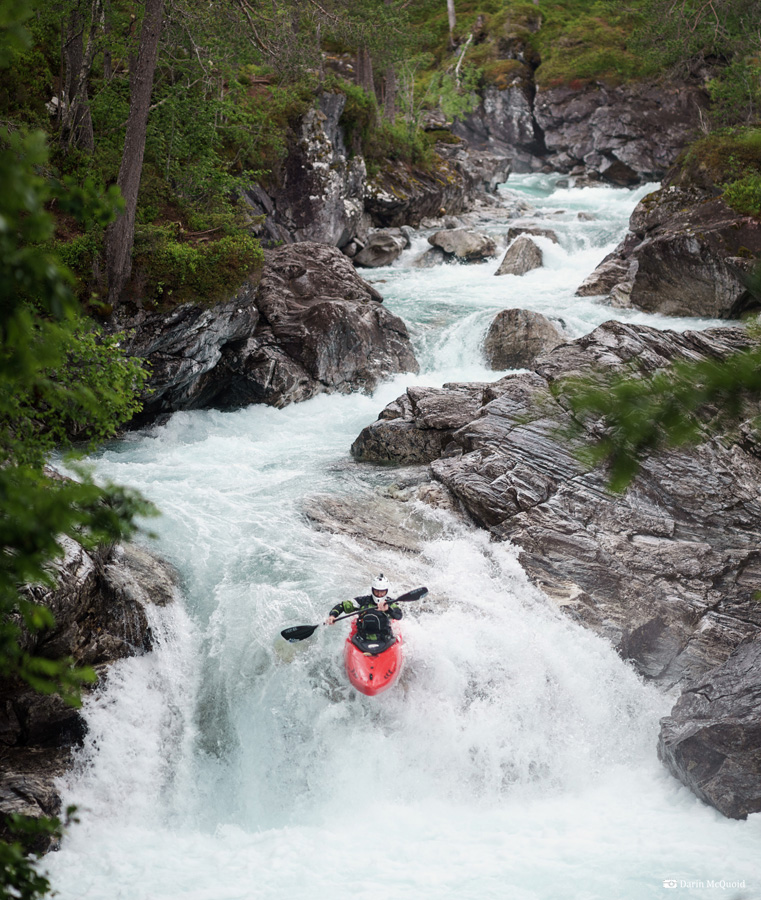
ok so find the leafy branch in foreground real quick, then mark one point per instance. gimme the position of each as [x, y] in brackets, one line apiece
[679, 405]
[59, 381]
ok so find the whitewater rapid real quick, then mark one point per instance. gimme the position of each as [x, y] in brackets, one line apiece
[515, 758]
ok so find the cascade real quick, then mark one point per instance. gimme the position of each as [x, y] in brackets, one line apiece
[514, 758]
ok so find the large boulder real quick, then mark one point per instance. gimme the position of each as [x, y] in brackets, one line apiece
[463, 244]
[517, 337]
[382, 248]
[712, 740]
[324, 329]
[311, 325]
[685, 256]
[522, 256]
[418, 426]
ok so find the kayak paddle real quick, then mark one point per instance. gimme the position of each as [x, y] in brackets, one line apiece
[301, 632]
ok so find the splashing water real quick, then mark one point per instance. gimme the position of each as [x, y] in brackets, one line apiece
[515, 757]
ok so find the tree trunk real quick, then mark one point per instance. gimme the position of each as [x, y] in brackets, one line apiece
[364, 73]
[121, 234]
[452, 21]
[389, 94]
[76, 121]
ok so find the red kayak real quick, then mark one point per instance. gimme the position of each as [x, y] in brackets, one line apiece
[372, 666]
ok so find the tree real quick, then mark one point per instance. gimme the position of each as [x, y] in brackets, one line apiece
[121, 235]
[452, 21]
[54, 373]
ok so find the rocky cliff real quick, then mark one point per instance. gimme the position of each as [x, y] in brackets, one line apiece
[325, 194]
[668, 572]
[100, 606]
[624, 134]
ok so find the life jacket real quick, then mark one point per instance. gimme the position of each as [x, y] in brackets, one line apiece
[373, 622]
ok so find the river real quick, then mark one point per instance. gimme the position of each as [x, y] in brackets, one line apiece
[514, 759]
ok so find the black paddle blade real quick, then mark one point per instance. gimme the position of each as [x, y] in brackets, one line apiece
[415, 594]
[299, 632]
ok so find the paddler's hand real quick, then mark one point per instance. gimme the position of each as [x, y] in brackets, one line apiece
[382, 605]
[330, 620]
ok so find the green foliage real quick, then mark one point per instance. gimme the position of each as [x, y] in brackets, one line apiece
[56, 377]
[730, 159]
[177, 270]
[359, 116]
[683, 404]
[690, 37]
[744, 195]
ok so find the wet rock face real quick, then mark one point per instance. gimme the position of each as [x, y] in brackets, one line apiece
[99, 604]
[665, 570]
[418, 426]
[397, 196]
[685, 256]
[712, 740]
[311, 325]
[517, 337]
[625, 135]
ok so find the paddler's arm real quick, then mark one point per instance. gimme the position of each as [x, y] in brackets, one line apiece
[345, 606]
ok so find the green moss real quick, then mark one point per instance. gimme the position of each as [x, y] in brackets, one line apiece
[722, 157]
[174, 270]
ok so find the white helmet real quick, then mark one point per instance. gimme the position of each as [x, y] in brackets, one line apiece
[380, 584]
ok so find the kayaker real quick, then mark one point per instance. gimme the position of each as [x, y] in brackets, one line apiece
[377, 607]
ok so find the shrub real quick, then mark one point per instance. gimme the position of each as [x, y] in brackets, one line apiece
[744, 195]
[174, 270]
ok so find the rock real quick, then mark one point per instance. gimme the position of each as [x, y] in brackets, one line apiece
[712, 740]
[521, 256]
[625, 133]
[397, 196]
[465, 245]
[320, 194]
[183, 345]
[685, 256]
[99, 603]
[504, 121]
[382, 519]
[516, 230]
[433, 257]
[381, 249]
[311, 325]
[609, 274]
[517, 337]
[418, 426]
[327, 330]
